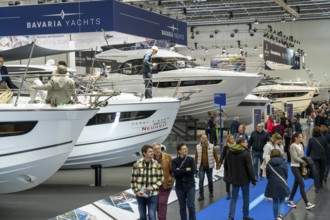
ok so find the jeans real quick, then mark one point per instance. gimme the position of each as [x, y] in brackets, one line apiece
[186, 199]
[257, 156]
[208, 171]
[148, 86]
[162, 202]
[246, 197]
[278, 206]
[151, 203]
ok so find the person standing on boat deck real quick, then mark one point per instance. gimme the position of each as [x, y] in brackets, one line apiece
[4, 79]
[184, 168]
[165, 161]
[205, 156]
[146, 178]
[147, 67]
[61, 89]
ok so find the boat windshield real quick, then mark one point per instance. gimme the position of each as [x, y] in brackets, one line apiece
[134, 67]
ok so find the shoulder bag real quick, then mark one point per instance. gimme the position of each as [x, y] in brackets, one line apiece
[285, 183]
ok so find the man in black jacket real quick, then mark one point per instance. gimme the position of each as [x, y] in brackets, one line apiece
[184, 169]
[257, 141]
[239, 172]
[4, 78]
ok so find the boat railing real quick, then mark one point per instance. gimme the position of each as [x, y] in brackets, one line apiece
[88, 91]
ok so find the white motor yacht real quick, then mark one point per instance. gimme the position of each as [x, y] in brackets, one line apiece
[115, 135]
[36, 139]
[244, 110]
[175, 74]
[297, 93]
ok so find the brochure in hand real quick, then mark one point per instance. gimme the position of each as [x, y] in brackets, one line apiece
[146, 193]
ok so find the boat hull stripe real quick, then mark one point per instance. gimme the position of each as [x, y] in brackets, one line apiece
[98, 142]
[35, 149]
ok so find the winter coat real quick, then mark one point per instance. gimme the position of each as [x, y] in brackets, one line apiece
[276, 188]
[185, 179]
[238, 166]
[258, 140]
[315, 151]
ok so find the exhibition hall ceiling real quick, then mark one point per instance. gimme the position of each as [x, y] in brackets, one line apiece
[226, 12]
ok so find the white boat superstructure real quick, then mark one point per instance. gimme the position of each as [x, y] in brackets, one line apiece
[36, 139]
[244, 110]
[298, 95]
[175, 74]
[115, 135]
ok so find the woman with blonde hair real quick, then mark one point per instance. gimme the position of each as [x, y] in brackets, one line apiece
[274, 143]
[230, 141]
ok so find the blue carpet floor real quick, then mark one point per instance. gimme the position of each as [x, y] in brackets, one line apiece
[260, 209]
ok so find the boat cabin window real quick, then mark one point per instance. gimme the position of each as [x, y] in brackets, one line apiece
[102, 118]
[16, 128]
[106, 118]
[138, 115]
[134, 67]
[167, 84]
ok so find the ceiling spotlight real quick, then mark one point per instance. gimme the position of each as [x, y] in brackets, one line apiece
[256, 21]
[216, 31]
[224, 49]
[235, 31]
[255, 29]
[283, 20]
[211, 35]
[255, 48]
[232, 35]
[251, 34]
[197, 32]
[10, 3]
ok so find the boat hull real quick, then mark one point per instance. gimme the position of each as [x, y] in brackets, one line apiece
[32, 157]
[284, 94]
[120, 142]
[235, 85]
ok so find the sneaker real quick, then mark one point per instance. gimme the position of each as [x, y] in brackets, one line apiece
[200, 198]
[248, 218]
[310, 206]
[291, 204]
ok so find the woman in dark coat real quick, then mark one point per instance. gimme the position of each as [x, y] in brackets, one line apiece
[277, 187]
[230, 141]
[317, 149]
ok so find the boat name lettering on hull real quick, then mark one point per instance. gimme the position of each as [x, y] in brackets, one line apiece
[153, 127]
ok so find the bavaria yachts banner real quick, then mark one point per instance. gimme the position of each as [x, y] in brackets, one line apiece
[93, 16]
[279, 58]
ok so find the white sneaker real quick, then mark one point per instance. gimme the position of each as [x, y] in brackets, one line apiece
[310, 206]
[291, 204]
